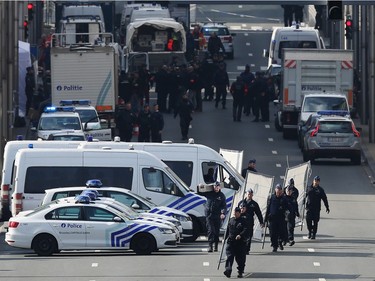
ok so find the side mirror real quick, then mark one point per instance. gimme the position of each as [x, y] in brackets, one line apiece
[117, 219]
[135, 206]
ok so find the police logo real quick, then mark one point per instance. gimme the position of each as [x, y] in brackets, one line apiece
[63, 225]
[59, 88]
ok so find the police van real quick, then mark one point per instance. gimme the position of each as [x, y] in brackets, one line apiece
[192, 162]
[295, 36]
[10, 150]
[141, 172]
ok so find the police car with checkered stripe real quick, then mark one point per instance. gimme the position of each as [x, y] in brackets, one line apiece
[82, 225]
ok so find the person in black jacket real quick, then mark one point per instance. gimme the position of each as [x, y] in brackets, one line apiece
[221, 83]
[314, 195]
[238, 89]
[237, 234]
[214, 44]
[252, 209]
[250, 167]
[184, 110]
[157, 124]
[277, 205]
[215, 210]
[144, 122]
[125, 121]
[292, 212]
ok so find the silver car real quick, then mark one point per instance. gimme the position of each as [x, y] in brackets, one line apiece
[332, 136]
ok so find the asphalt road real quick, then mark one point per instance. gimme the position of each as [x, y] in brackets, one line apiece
[345, 245]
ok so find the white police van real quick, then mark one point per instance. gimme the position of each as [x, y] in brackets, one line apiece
[138, 171]
[10, 150]
[295, 36]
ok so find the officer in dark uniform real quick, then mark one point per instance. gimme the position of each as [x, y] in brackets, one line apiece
[277, 205]
[292, 211]
[237, 234]
[250, 167]
[144, 122]
[314, 194]
[157, 124]
[215, 210]
[125, 121]
[252, 208]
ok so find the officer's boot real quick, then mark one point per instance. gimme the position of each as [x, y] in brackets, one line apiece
[216, 246]
[210, 249]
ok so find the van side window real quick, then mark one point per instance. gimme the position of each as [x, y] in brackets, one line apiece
[183, 169]
[219, 174]
[38, 179]
[157, 181]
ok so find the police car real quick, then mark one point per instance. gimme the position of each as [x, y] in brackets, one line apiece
[330, 134]
[82, 225]
[126, 197]
[58, 119]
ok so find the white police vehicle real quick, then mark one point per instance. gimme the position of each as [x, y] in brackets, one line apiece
[91, 123]
[223, 33]
[58, 119]
[126, 197]
[82, 225]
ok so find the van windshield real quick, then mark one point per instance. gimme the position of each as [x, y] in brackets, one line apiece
[178, 179]
[296, 44]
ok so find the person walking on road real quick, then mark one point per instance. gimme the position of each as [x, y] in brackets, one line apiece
[184, 110]
[157, 124]
[252, 209]
[215, 211]
[314, 195]
[238, 90]
[275, 215]
[125, 120]
[221, 83]
[237, 234]
[292, 212]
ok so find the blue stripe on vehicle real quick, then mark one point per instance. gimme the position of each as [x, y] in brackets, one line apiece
[180, 200]
[194, 205]
[125, 232]
[104, 90]
[123, 243]
[229, 202]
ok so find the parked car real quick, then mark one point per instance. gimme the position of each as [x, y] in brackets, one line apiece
[223, 33]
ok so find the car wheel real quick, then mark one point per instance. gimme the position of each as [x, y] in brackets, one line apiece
[143, 244]
[44, 245]
[196, 231]
[306, 157]
[356, 160]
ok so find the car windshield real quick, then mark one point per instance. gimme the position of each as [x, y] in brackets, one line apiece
[207, 31]
[335, 127]
[87, 115]
[58, 123]
[315, 104]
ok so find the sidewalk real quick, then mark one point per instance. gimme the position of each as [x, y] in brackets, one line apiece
[368, 149]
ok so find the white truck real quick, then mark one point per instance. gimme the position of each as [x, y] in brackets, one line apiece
[309, 72]
[87, 72]
[154, 42]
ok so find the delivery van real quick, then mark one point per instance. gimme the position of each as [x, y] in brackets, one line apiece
[195, 164]
[139, 171]
[10, 151]
[295, 36]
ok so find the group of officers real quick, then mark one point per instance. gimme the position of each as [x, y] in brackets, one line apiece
[281, 212]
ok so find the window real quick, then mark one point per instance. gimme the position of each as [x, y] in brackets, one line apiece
[65, 213]
[65, 194]
[98, 214]
[296, 44]
[220, 174]
[126, 199]
[183, 169]
[315, 104]
[158, 181]
[335, 127]
[38, 179]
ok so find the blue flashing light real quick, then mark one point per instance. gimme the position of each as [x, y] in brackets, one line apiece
[19, 137]
[30, 145]
[50, 109]
[94, 183]
[90, 194]
[82, 199]
[75, 102]
[90, 138]
[334, 113]
[53, 109]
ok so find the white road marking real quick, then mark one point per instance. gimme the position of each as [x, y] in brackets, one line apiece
[94, 264]
[316, 263]
[311, 250]
[204, 250]
[322, 279]
[270, 139]
[250, 54]
[206, 279]
[97, 251]
[246, 34]
[240, 6]
[278, 165]
[206, 263]
[267, 126]
[247, 44]
[274, 152]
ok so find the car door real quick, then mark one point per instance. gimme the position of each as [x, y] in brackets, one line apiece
[69, 226]
[102, 231]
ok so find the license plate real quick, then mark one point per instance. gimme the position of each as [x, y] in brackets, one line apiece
[334, 139]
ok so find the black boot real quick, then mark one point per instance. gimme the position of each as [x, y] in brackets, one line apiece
[210, 249]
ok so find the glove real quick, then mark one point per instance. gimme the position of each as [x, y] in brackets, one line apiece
[327, 210]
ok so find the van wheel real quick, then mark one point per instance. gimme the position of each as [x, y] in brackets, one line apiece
[44, 245]
[196, 231]
[143, 244]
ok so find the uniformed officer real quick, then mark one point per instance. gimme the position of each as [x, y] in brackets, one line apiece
[237, 234]
[215, 210]
[250, 167]
[275, 215]
[314, 194]
[252, 208]
[291, 213]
